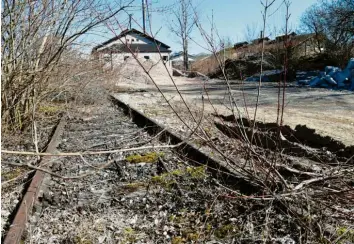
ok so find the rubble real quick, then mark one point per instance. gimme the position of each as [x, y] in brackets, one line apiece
[332, 77]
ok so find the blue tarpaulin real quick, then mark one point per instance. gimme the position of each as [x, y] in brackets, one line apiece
[333, 77]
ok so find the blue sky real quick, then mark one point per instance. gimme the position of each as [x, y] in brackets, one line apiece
[231, 18]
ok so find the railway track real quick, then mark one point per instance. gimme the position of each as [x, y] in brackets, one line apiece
[155, 192]
[158, 188]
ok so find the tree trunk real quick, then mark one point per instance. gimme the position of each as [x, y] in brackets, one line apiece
[185, 55]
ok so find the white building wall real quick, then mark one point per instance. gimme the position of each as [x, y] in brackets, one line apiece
[119, 59]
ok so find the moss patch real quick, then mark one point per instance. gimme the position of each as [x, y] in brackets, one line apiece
[346, 234]
[167, 180]
[164, 180]
[192, 237]
[197, 172]
[50, 109]
[151, 157]
[80, 240]
[129, 235]
[12, 174]
[224, 231]
[178, 240]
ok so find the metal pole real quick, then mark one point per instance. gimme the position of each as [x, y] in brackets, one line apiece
[143, 7]
[130, 21]
[224, 55]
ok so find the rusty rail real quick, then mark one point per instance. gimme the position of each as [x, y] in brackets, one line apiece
[18, 225]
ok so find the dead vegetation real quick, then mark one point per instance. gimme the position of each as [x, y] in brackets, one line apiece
[282, 188]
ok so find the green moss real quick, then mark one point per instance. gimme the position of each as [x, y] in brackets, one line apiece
[177, 240]
[158, 178]
[208, 131]
[172, 217]
[168, 180]
[129, 235]
[128, 231]
[151, 157]
[197, 172]
[49, 109]
[347, 235]
[209, 227]
[223, 231]
[80, 240]
[177, 172]
[12, 174]
[164, 180]
[192, 236]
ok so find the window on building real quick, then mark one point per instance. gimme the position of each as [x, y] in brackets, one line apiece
[126, 57]
[147, 57]
[133, 40]
[165, 58]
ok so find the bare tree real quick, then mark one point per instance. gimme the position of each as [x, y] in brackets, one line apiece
[35, 36]
[266, 5]
[334, 21]
[182, 26]
[286, 63]
[251, 32]
[311, 24]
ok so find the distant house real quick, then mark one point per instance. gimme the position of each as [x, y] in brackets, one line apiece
[177, 60]
[260, 40]
[282, 37]
[308, 44]
[119, 48]
[240, 44]
[302, 44]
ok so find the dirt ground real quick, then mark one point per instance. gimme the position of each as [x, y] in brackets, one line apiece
[330, 112]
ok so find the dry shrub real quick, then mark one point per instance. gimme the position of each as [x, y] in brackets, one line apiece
[39, 37]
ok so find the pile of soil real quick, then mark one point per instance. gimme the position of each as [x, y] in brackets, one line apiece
[131, 71]
[317, 62]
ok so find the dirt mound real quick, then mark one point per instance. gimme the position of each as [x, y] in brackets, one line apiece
[131, 71]
[241, 68]
[318, 62]
[235, 68]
